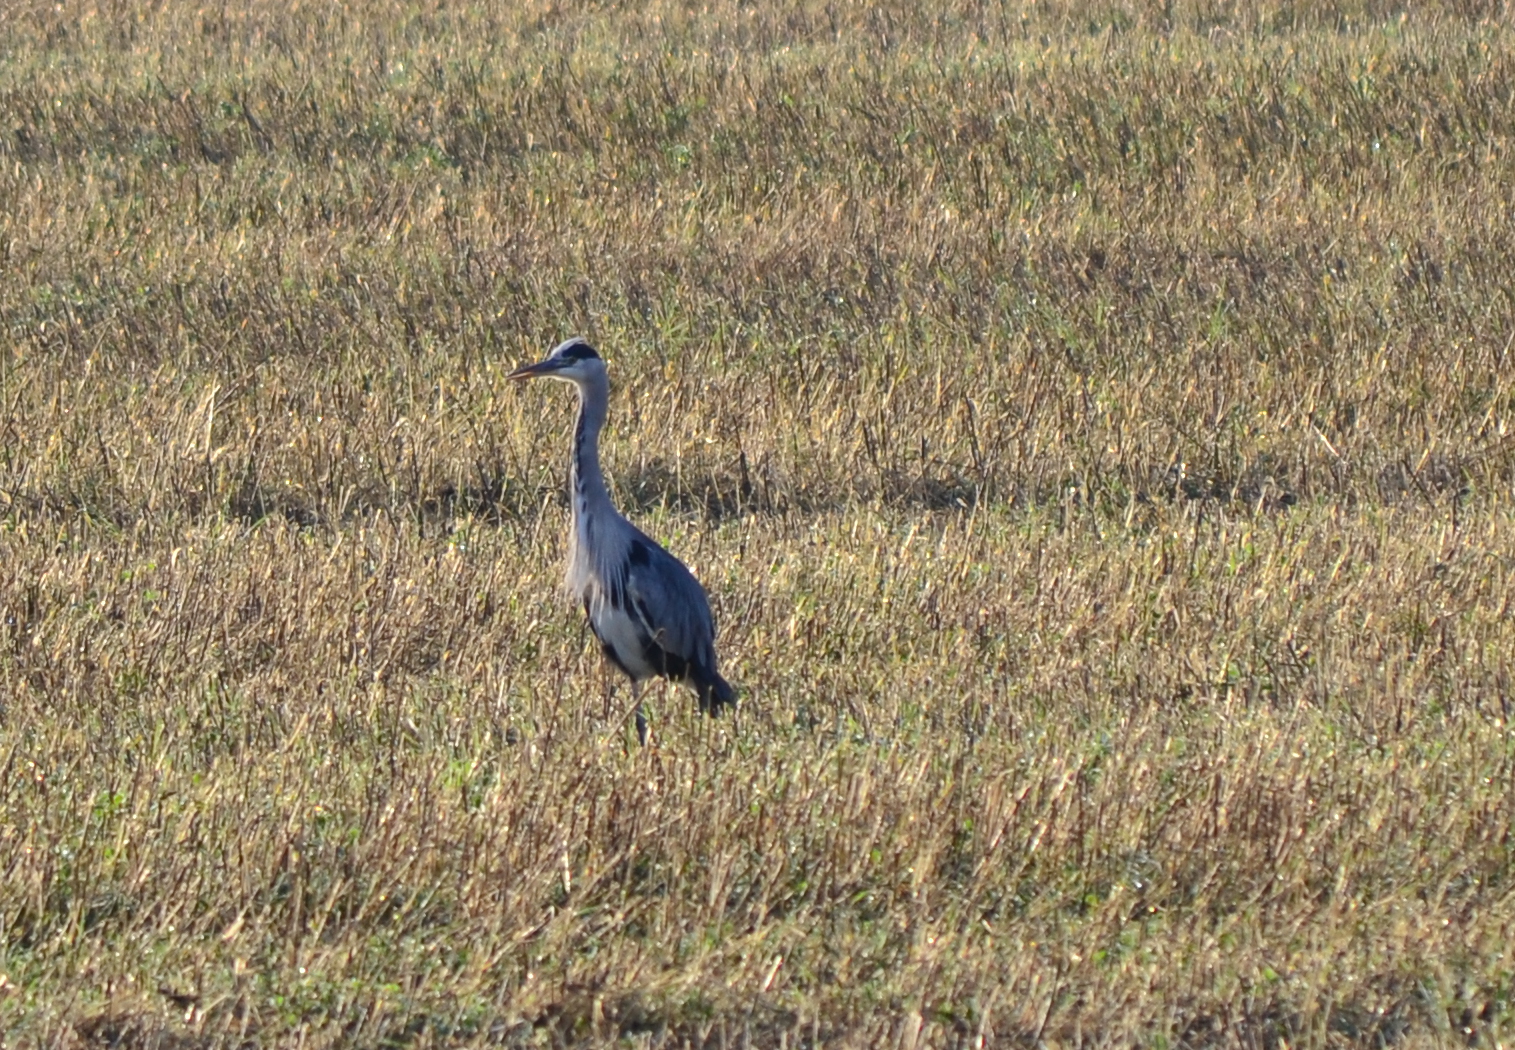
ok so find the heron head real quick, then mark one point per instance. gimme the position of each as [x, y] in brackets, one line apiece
[573, 360]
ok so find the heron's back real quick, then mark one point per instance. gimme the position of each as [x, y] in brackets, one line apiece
[648, 611]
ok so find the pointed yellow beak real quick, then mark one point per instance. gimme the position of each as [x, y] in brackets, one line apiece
[541, 368]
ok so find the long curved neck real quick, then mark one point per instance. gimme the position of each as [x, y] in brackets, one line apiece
[586, 483]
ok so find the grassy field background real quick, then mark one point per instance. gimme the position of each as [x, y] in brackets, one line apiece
[1093, 423]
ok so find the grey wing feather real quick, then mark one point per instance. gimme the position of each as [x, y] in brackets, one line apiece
[671, 604]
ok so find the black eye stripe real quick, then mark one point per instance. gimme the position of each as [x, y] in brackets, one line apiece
[578, 350]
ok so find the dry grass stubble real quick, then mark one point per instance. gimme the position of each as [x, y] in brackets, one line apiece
[1093, 430]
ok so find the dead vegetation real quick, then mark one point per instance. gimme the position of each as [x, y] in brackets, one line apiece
[1093, 423]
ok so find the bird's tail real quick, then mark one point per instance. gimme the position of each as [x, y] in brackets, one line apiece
[716, 694]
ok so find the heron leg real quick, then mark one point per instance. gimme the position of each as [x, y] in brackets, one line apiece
[641, 717]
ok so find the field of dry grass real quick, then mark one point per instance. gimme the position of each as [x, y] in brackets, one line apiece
[1094, 424]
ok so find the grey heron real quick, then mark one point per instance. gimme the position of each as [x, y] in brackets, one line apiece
[649, 614]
